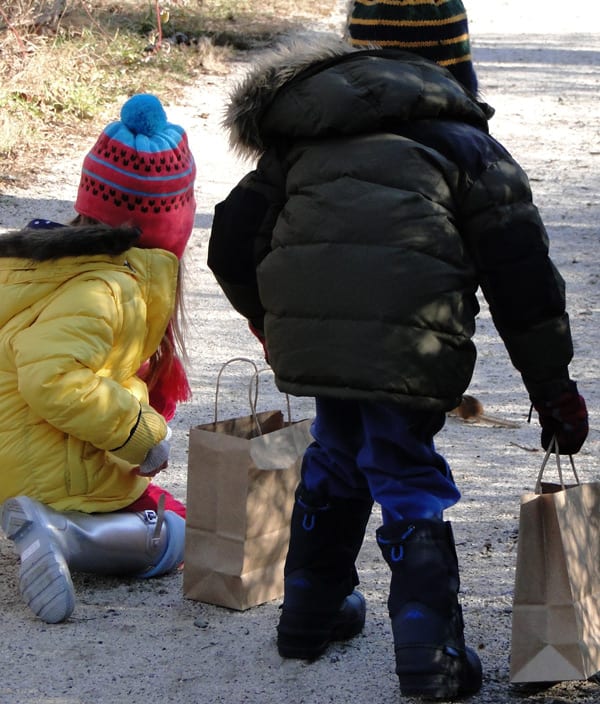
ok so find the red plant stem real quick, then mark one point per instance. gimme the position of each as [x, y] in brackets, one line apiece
[14, 31]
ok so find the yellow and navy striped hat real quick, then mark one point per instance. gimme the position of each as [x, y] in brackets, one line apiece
[435, 29]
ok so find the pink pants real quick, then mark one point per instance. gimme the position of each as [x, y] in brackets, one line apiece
[149, 501]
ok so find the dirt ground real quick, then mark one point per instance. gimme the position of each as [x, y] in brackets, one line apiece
[135, 641]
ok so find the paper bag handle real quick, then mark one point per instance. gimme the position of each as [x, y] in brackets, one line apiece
[554, 446]
[252, 402]
[221, 370]
[253, 382]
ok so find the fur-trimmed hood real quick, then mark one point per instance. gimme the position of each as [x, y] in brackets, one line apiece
[315, 85]
[70, 241]
[282, 64]
[34, 263]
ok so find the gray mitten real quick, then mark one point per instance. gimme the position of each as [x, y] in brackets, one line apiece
[157, 455]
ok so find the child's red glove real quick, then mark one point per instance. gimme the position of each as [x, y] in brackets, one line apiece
[566, 418]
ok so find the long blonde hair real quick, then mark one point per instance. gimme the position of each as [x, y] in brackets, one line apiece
[172, 345]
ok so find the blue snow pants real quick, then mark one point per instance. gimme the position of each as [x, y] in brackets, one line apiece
[382, 451]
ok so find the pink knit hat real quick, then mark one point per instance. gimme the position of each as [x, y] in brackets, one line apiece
[141, 172]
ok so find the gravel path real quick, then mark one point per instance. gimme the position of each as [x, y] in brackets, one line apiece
[134, 642]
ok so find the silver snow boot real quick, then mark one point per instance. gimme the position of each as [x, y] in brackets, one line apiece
[50, 544]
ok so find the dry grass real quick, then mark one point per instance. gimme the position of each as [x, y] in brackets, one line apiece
[64, 64]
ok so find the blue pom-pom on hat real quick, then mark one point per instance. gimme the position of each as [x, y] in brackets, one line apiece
[144, 127]
[144, 114]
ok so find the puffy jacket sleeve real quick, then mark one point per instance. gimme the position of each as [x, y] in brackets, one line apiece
[64, 374]
[241, 236]
[523, 288]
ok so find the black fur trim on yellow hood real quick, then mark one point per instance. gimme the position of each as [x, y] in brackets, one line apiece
[70, 241]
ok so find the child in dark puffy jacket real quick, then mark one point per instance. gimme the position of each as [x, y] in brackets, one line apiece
[378, 206]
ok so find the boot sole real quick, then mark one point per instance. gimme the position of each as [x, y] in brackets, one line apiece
[295, 642]
[436, 674]
[44, 579]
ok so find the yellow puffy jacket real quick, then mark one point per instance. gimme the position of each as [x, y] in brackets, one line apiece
[80, 311]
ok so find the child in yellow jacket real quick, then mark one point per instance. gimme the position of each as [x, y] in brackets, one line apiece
[90, 369]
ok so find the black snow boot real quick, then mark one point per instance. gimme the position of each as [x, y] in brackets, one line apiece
[320, 604]
[432, 661]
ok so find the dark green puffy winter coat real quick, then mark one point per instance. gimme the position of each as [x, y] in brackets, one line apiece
[379, 205]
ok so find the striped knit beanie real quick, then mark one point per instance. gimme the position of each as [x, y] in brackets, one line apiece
[435, 29]
[141, 172]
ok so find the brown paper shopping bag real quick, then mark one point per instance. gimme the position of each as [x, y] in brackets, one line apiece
[556, 604]
[242, 475]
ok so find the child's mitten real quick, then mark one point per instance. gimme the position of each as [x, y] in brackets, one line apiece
[566, 418]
